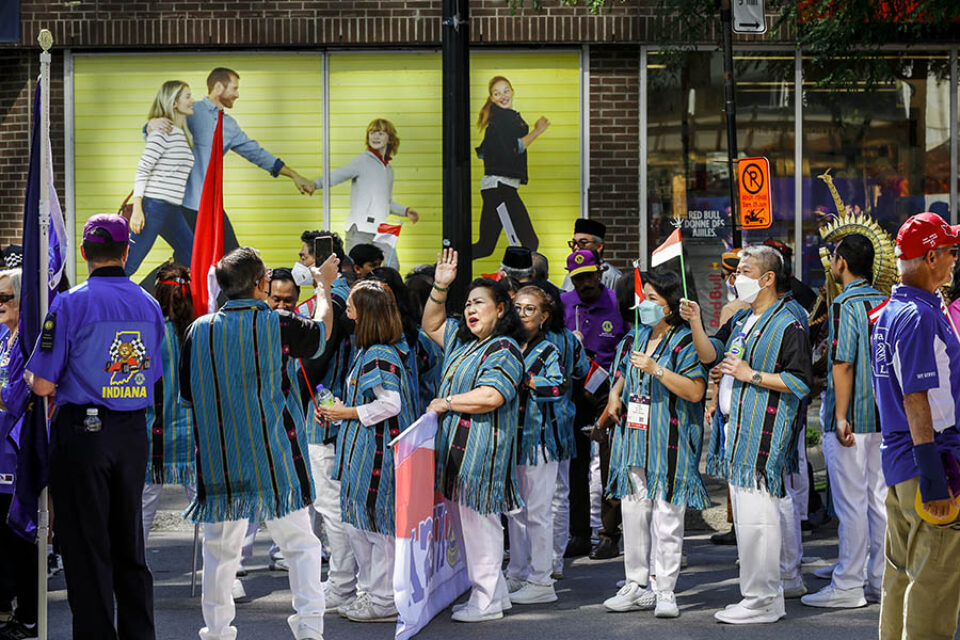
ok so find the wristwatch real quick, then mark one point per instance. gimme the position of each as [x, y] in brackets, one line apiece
[658, 374]
[449, 403]
[757, 378]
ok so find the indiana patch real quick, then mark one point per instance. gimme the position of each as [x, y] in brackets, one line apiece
[49, 329]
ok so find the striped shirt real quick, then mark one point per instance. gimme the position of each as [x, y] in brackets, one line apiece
[164, 167]
[848, 340]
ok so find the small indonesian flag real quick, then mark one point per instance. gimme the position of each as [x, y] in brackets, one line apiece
[596, 376]
[388, 234]
[874, 314]
[492, 276]
[668, 250]
[638, 296]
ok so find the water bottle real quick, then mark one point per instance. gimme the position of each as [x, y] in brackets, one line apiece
[324, 395]
[91, 423]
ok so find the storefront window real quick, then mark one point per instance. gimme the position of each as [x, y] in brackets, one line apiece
[687, 175]
[886, 149]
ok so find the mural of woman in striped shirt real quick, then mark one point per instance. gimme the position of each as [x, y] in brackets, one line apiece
[161, 179]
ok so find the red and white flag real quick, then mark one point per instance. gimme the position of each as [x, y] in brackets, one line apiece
[596, 376]
[388, 234]
[874, 314]
[638, 296]
[670, 249]
[208, 234]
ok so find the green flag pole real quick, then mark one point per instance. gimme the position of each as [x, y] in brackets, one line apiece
[683, 271]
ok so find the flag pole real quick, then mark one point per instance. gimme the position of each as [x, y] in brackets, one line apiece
[678, 223]
[43, 523]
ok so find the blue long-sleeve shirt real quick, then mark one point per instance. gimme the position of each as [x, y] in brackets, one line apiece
[202, 124]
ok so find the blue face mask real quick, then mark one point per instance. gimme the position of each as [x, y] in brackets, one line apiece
[651, 313]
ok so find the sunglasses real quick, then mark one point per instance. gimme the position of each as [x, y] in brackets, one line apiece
[953, 251]
[583, 243]
[6, 297]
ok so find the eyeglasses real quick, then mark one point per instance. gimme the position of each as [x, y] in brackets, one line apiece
[525, 310]
[582, 243]
[6, 297]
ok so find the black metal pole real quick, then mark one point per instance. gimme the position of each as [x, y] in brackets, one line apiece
[729, 94]
[457, 218]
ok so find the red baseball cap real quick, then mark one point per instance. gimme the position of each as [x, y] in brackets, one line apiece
[924, 232]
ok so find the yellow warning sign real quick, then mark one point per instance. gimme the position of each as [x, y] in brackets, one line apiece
[756, 203]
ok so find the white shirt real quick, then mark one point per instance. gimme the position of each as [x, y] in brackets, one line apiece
[371, 191]
[726, 383]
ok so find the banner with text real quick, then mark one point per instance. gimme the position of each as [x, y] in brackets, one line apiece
[430, 570]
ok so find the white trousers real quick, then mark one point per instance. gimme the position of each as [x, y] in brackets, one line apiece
[221, 558]
[531, 528]
[151, 500]
[659, 545]
[374, 553]
[756, 516]
[483, 548]
[561, 514]
[342, 567]
[793, 510]
[596, 488]
[859, 493]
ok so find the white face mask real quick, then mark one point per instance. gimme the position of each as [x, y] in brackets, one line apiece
[747, 288]
[301, 274]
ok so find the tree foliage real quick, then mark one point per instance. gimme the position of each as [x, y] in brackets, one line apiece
[844, 42]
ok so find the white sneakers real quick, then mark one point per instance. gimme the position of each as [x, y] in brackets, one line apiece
[666, 605]
[832, 598]
[739, 614]
[470, 613]
[531, 593]
[825, 573]
[505, 605]
[514, 584]
[366, 610]
[632, 597]
[237, 591]
[793, 588]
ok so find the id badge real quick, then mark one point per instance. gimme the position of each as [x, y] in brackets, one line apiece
[638, 412]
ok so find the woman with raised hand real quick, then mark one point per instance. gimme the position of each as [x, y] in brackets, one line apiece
[655, 453]
[378, 403]
[541, 445]
[161, 179]
[169, 421]
[476, 439]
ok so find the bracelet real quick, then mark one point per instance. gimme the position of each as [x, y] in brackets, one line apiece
[440, 289]
[432, 299]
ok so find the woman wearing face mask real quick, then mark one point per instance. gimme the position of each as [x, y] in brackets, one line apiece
[371, 190]
[541, 445]
[655, 454]
[377, 405]
[476, 441]
[506, 138]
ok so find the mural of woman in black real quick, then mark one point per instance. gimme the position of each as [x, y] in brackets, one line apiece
[506, 138]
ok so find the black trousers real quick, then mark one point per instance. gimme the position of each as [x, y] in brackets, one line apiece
[18, 566]
[490, 225]
[589, 406]
[96, 481]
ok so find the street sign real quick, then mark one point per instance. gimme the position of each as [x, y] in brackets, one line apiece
[748, 16]
[756, 204]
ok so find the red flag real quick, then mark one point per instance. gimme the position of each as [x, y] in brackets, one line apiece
[638, 296]
[208, 234]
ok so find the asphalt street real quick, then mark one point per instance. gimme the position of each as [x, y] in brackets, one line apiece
[706, 585]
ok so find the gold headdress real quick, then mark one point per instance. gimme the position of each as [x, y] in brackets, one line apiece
[841, 226]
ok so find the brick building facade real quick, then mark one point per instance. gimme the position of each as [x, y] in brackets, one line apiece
[612, 39]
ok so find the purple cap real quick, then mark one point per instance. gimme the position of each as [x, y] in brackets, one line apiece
[113, 224]
[583, 261]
